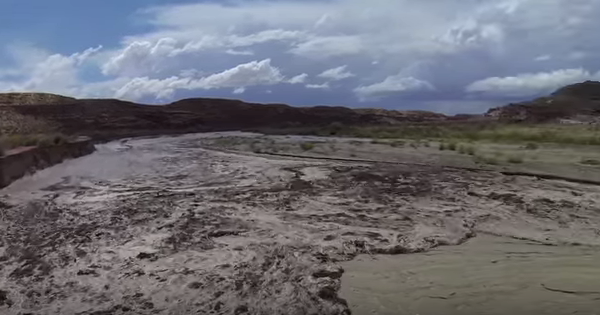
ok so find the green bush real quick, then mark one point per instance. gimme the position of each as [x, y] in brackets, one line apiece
[486, 131]
[307, 146]
[515, 159]
[483, 159]
[442, 146]
[470, 150]
[593, 162]
[466, 149]
[15, 141]
[60, 139]
[398, 143]
[452, 146]
[531, 146]
[335, 128]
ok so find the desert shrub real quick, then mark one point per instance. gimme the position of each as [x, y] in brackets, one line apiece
[335, 128]
[493, 132]
[225, 142]
[462, 149]
[15, 141]
[307, 146]
[59, 139]
[255, 146]
[515, 159]
[377, 141]
[593, 162]
[470, 150]
[484, 159]
[452, 146]
[397, 143]
[45, 141]
[531, 146]
[442, 146]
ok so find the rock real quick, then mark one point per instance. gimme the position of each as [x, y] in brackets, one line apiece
[242, 309]
[333, 272]
[194, 285]
[149, 256]
[4, 300]
[87, 272]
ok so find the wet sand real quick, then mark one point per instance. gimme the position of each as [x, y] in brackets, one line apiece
[487, 275]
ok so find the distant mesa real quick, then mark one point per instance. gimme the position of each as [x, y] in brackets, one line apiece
[111, 118]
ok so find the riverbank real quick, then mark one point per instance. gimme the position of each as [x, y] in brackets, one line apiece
[21, 161]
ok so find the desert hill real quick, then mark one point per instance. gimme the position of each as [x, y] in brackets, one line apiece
[111, 118]
[577, 103]
[34, 99]
[30, 113]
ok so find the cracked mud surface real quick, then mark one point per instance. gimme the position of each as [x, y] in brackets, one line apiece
[163, 226]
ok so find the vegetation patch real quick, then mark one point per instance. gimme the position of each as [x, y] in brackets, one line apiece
[307, 146]
[498, 132]
[531, 146]
[398, 143]
[8, 142]
[452, 146]
[515, 159]
[592, 162]
[486, 159]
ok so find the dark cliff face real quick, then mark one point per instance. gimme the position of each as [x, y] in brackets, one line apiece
[221, 113]
[579, 101]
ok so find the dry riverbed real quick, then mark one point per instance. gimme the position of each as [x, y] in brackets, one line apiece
[167, 226]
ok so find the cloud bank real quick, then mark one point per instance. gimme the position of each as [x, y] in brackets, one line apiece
[384, 53]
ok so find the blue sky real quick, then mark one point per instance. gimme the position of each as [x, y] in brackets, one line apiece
[453, 56]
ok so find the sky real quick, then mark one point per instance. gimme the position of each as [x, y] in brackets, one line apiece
[450, 56]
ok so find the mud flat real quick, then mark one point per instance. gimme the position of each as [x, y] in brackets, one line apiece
[166, 226]
[486, 275]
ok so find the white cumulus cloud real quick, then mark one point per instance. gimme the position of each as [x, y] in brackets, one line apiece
[239, 52]
[255, 73]
[336, 74]
[299, 79]
[392, 85]
[248, 74]
[478, 50]
[324, 86]
[530, 84]
[56, 73]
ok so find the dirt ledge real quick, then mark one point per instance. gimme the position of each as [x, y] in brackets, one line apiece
[20, 162]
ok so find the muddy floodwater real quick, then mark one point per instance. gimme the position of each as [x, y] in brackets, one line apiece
[169, 226]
